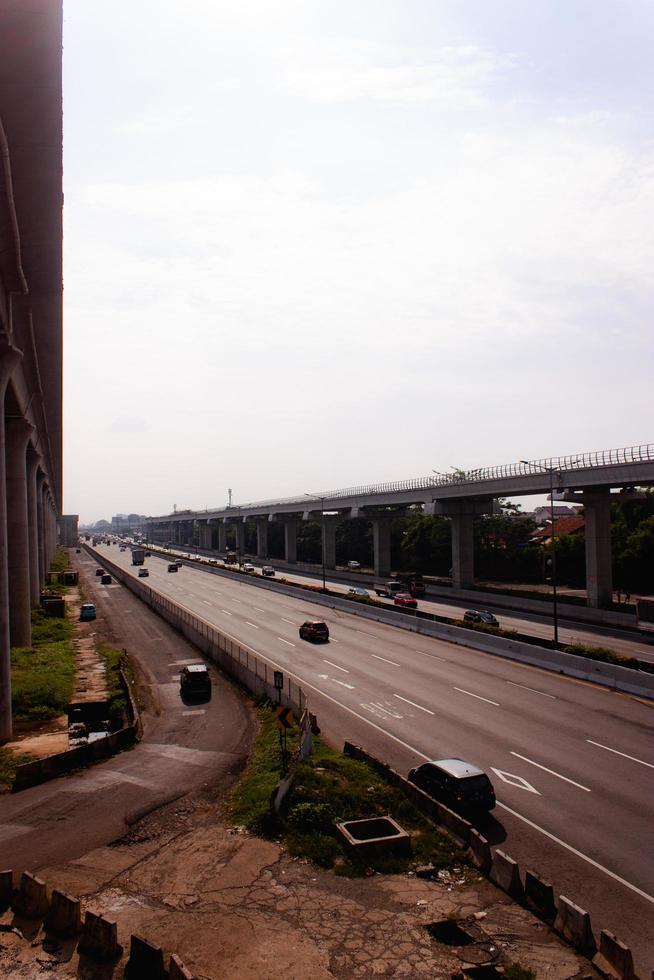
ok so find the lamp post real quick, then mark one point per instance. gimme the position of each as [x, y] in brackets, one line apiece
[551, 471]
[322, 533]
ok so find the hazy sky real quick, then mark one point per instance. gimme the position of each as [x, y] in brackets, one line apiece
[316, 244]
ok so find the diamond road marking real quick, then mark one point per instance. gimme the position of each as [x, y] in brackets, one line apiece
[513, 780]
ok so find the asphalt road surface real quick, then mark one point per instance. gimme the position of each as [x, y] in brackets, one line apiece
[572, 763]
[626, 643]
[185, 746]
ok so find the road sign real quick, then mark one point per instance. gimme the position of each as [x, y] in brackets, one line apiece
[279, 680]
[285, 717]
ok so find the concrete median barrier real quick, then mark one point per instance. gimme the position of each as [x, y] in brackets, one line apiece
[99, 938]
[145, 960]
[573, 923]
[479, 851]
[505, 873]
[64, 917]
[539, 896]
[614, 959]
[177, 970]
[31, 900]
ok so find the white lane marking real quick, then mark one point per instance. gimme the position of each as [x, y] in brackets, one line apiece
[196, 711]
[175, 679]
[478, 696]
[550, 771]
[532, 689]
[432, 655]
[191, 594]
[336, 666]
[623, 754]
[206, 602]
[258, 608]
[227, 612]
[365, 633]
[181, 663]
[332, 640]
[253, 625]
[513, 780]
[288, 621]
[217, 593]
[343, 684]
[287, 642]
[413, 704]
[236, 600]
[579, 854]
[385, 660]
[375, 708]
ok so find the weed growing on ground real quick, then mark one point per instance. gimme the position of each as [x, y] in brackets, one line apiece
[113, 660]
[60, 561]
[42, 675]
[8, 764]
[515, 971]
[330, 787]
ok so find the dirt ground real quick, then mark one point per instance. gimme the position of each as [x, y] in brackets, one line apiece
[235, 906]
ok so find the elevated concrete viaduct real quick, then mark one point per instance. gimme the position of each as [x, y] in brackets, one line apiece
[586, 478]
[30, 316]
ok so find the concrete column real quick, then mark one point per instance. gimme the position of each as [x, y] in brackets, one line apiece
[40, 492]
[222, 537]
[463, 551]
[9, 358]
[262, 539]
[240, 537]
[205, 536]
[290, 541]
[381, 538]
[18, 432]
[329, 542]
[33, 460]
[597, 520]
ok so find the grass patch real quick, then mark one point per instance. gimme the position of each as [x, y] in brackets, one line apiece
[60, 560]
[607, 656]
[113, 661]
[42, 675]
[330, 787]
[9, 761]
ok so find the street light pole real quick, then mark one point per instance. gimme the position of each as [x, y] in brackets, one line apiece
[322, 534]
[555, 616]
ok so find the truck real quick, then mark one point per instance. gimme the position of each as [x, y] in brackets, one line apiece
[138, 556]
[412, 583]
[389, 589]
[230, 557]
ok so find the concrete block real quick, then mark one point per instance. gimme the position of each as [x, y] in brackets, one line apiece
[539, 895]
[614, 959]
[31, 900]
[505, 873]
[145, 960]
[479, 851]
[573, 923]
[99, 938]
[64, 917]
[177, 970]
[6, 887]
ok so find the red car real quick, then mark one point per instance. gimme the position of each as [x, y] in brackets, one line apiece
[404, 599]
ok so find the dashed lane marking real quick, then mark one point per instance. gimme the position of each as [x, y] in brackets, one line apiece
[478, 696]
[532, 689]
[253, 625]
[550, 771]
[427, 710]
[227, 612]
[336, 666]
[623, 754]
[392, 662]
[287, 642]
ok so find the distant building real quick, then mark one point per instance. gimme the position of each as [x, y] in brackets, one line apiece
[542, 514]
[562, 526]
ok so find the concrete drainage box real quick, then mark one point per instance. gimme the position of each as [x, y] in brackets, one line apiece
[374, 835]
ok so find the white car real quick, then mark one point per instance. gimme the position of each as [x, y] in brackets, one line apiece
[353, 564]
[248, 567]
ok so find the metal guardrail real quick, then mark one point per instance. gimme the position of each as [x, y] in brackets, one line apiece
[559, 464]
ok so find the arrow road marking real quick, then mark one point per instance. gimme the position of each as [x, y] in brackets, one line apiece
[550, 771]
[512, 780]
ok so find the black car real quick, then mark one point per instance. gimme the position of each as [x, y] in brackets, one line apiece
[459, 785]
[268, 571]
[105, 579]
[195, 680]
[143, 573]
[99, 571]
[172, 567]
[314, 629]
[480, 616]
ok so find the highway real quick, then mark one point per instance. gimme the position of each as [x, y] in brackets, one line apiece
[572, 764]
